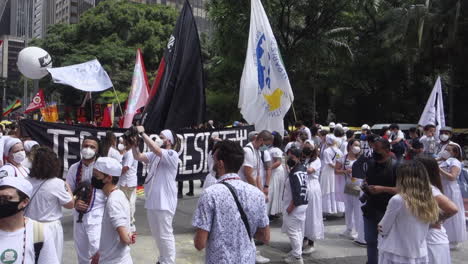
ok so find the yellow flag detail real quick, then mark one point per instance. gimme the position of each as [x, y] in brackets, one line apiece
[274, 99]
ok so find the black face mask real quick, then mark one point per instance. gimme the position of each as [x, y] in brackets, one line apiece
[8, 208]
[377, 156]
[291, 163]
[98, 184]
[307, 152]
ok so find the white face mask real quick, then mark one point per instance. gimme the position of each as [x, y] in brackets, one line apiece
[159, 141]
[444, 137]
[445, 154]
[120, 147]
[356, 150]
[88, 153]
[19, 156]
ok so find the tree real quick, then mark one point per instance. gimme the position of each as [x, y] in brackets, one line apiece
[110, 32]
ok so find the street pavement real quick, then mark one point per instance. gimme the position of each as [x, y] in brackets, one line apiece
[333, 249]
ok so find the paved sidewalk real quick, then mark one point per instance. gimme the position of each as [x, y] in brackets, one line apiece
[333, 249]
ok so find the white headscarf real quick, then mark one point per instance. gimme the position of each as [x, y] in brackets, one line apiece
[168, 134]
[330, 139]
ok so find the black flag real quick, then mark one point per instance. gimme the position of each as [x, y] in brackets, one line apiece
[177, 98]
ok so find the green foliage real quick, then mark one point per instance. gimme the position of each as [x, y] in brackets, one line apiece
[111, 32]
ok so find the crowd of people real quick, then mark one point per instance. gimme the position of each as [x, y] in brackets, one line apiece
[399, 195]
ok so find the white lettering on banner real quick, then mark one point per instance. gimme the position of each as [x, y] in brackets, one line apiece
[185, 156]
[201, 151]
[56, 133]
[66, 153]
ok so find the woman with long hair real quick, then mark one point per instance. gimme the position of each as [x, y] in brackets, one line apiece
[405, 225]
[437, 239]
[109, 147]
[275, 195]
[50, 194]
[349, 191]
[450, 170]
[314, 228]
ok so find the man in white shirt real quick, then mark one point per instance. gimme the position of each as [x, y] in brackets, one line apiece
[129, 180]
[115, 233]
[250, 171]
[90, 209]
[160, 189]
[428, 139]
[397, 141]
[299, 125]
[445, 137]
[17, 233]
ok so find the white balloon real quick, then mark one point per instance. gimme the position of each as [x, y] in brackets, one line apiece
[33, 62]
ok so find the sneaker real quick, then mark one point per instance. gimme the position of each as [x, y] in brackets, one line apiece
[180, 196]
[361, 244]
[261, 259]
[293, 260]
[454, 246]
[307, 250]
[348, 234]
[189, 194]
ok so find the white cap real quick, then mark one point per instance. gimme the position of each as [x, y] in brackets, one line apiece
[9, 143]
[108, 166]
[365, 126]
[28, 144]
[331, 125]
[338, 125]
[168, 134]
[19, 183]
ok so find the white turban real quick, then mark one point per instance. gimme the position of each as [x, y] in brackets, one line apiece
[28, 144]
[168, 134]
[108, 166]
[330, 139]
[18, 183]
[9, 143]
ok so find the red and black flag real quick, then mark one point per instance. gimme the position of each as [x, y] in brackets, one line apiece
[177, 97]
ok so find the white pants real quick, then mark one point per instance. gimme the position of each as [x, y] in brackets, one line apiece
[293, 226]
[438, 253]
[56, 231]
[87, 238]
[160, 223]
[130, 193]
[353, 216]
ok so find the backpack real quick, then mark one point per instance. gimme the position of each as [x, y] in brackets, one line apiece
[38, 239]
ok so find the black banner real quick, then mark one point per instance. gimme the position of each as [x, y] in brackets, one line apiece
[66, 141]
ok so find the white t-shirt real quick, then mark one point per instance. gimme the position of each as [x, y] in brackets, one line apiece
[346, 164]
[429, 144]
[129, 178]
[331, 155]
[399, 135]
[86, 174]
[46, 205]
[252, 159]
[437, 236]
[115, 154]
[11, 170]
[116, 214]
[12, 243]
[307, 131]
[161, 186]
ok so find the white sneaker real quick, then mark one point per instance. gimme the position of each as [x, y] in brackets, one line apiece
[261, 259]
[349, 234]
[307, 250]
[293, 260]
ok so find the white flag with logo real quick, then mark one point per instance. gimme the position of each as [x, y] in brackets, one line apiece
[434, 111]
[265, 93]
[88, 76]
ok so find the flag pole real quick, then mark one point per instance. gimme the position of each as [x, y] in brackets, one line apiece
[294, 110]
[118, 101]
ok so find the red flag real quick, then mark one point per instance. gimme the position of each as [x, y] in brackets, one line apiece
[107, 116]
[138, 96]
[38, 102]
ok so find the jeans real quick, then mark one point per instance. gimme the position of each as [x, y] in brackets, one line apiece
[371, 234]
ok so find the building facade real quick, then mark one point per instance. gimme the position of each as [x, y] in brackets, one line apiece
[70, 11]
[43, 17]
[9, 50]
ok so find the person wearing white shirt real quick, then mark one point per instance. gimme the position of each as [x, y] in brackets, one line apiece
[450, 170]
[30, 147]
[428, 140]
[314, 228]
[275, 193]
[22, 240]
[330, 204]
[115, 228]
[108, 147]
[445, 137]
[397, 141]
[129, 180]
[14, 151]
[50, 194]
[160, 189]
[88, 212]
[405, 225]
[437, 240]
[299, 125]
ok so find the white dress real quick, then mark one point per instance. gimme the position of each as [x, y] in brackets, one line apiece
[438, 249]
[455, 225]
[330, 204]
[275, 194]
[314, 228]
